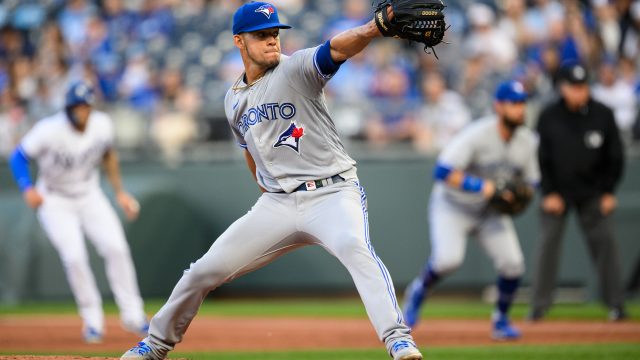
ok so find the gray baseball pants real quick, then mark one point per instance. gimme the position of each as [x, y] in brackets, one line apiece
[334, 217]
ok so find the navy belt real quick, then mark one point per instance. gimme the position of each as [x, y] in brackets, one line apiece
[316, 184]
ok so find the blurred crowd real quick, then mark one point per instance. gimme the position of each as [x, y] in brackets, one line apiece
[162, 67]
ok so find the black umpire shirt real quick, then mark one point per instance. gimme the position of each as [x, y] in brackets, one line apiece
[580, 153]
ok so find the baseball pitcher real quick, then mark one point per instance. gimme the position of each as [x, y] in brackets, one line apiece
[68, 147]
[483, 177]
[311, 192]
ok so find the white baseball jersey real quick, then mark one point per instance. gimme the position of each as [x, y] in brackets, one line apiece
[284, 123]
[74, 206]
[67, 158]
[479, 150]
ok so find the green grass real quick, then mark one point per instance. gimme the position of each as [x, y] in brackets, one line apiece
[501, 352]
[582, 352]
[339, 308]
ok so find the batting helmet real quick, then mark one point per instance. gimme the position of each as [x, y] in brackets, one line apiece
[80, 92]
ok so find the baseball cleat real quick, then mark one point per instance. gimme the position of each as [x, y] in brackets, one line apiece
[405, 350]
[618, 314]
[142, 330]
[142, 351]
[92, 336]
[535, 315]
[413, 298]
[502, 330]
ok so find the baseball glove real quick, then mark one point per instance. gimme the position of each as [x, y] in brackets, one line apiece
[511, 196]
[416, 20]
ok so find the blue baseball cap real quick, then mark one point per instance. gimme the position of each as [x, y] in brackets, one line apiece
[511, 91]
[256, 16]
[80, 92]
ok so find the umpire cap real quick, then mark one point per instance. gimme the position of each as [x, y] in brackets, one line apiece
[256, 16]
[80, 92]
[573, 73]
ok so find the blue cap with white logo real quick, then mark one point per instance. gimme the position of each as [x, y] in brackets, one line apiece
[256, 16]
[80, 92]
[511, 91]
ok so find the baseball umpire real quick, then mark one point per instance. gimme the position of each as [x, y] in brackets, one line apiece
[68, 147]
[581, 159]
[311, 192]
[484, 176]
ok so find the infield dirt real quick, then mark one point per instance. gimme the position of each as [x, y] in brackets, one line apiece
[61, 334]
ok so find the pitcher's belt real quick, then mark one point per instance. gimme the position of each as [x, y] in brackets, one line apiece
[316, 184]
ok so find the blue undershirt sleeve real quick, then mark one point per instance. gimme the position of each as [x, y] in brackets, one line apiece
[19, 164]
[325, 65]
[470, 183]
[441, 172]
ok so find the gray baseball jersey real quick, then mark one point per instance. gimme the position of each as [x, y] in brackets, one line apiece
[282, 120]
[454, 214]
[479, 150]
[284, 123]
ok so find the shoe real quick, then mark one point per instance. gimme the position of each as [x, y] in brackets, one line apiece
[413, 298]
[535, 315]
[141, 330]
[142, 351]
[618, 314]
[92, 335]
[502, 329]
[405, 350]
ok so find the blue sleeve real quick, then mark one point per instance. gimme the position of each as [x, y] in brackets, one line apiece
[325, 65]
[19, 164]
[441, 172]
[470, 183]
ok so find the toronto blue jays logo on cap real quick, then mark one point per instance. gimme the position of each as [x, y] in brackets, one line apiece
[254, 16]
[267, 10]
[511, 91]
[517, 87]
[290, 138]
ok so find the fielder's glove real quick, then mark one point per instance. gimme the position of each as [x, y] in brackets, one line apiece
[416, 20]
[511, 196]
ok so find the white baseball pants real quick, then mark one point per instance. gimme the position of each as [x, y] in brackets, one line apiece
[65, 220]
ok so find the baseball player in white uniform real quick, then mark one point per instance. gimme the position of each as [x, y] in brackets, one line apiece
[68, 147]
[311, 193]
[489, 150]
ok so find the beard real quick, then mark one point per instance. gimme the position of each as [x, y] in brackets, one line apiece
[264, 63]
[512, 123]
[271, 63]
